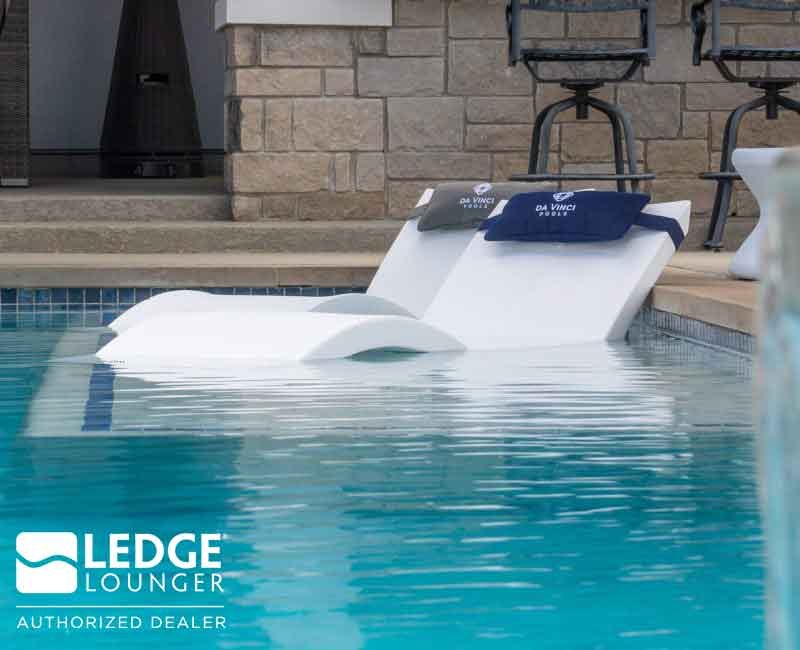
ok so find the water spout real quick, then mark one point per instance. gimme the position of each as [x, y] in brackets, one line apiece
[779, 387]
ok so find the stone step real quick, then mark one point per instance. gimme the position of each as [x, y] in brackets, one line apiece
[94, 199]
[51, 270]
[199, 237]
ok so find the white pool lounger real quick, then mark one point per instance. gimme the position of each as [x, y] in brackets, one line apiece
[499, 295]
[408, 278]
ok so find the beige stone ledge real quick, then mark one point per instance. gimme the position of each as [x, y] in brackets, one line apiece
[697, 286]
[188, 270]
[340, 13]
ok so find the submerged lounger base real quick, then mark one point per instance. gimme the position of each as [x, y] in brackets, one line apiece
[255, 337]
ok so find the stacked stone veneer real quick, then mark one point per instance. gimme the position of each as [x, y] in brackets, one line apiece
[350, 123]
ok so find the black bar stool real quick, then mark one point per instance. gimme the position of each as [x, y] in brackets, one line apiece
[771, 86]
[582, 100]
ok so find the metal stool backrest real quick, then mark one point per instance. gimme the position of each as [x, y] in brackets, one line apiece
[515, 8]
[716, 52]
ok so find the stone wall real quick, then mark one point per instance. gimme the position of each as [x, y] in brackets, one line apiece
[347, 123]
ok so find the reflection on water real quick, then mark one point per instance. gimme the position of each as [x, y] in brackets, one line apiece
[582, 497]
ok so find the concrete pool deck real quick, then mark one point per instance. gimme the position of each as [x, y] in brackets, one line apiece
[697, 285]
[696, 298]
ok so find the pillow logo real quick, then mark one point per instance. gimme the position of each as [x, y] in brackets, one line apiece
[558, 197]
[482, 188]
[47, 563]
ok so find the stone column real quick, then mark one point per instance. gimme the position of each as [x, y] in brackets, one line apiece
[300, 143]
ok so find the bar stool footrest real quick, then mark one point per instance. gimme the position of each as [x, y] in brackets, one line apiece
[582, 177]
[720, 176]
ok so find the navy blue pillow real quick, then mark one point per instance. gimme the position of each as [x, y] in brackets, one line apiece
[566, 217]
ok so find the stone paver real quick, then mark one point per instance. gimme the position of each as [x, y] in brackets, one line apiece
[94, 199]
[187, 270]
[697, 286]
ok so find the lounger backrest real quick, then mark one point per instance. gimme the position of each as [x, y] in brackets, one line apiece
[523, 294]
[418, 263]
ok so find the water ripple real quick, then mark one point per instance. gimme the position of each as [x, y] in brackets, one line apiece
[585, 497]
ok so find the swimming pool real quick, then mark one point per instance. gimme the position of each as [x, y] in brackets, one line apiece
[587, 497]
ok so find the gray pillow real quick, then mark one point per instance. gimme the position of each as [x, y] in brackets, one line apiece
[466, 205]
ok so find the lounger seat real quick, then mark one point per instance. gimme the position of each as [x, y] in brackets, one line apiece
[424, 252]
[188, 301]
[499, 295]
[265, 337]
[404, 285]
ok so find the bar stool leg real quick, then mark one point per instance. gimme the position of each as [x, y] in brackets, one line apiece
[630, 143]
[619, 118]
[619, 156]
[789, 103]
[619, 160]
[722, 205]
[536, 141]
[540, 145]
[722, 198]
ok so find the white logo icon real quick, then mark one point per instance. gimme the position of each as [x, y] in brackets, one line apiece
[562, 196]
[482, 189]
[47, 563]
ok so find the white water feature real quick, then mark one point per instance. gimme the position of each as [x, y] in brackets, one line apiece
[756, 167]
[779, 388]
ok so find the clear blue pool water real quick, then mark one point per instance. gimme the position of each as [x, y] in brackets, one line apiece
[582, 498]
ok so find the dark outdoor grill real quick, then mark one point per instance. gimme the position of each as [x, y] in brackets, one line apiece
[14, 134]
[151, 128]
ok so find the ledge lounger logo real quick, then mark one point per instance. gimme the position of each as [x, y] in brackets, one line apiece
[126, 571]
[47, 563]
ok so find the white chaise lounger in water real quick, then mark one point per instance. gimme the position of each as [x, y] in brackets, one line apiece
[499, 295]
[406, 281]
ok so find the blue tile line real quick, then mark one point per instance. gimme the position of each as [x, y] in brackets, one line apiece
[100, 403]
[697, 331]
[109, 302]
